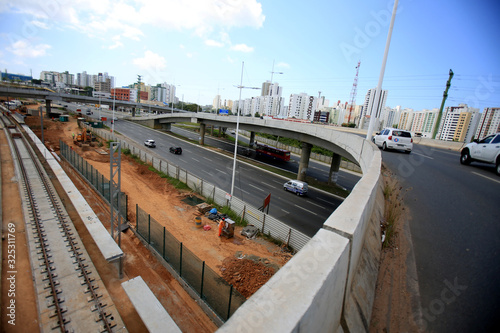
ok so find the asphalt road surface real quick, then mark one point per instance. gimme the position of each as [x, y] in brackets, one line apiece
[455, 226]
[306, 214]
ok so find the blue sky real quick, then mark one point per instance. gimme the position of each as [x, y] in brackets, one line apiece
[200, 45]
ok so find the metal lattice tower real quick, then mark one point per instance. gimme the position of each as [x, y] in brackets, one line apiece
[354, 91]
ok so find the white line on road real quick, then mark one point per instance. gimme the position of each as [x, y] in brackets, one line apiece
[422, 155]
[307, 210]
[323, 200]
[258, 188]
[314, 204]
[286, 212]
[195, 159]
[220, 171]
[497, 181]
[208, 159]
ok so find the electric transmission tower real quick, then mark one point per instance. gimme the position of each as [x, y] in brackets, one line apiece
[354, 91]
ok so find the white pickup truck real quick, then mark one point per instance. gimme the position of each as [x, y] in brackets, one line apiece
[487, 151]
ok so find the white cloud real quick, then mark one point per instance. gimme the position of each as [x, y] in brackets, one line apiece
[24, 49]
[211, 42]
[129, 18]
[40, 24]
[150, 62]
[242, 48]
[282, 65]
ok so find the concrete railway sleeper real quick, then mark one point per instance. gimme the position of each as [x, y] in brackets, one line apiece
[51, 230]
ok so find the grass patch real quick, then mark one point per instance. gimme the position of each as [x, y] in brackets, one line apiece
[393, 210]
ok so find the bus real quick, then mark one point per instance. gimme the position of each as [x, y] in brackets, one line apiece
[273, 152]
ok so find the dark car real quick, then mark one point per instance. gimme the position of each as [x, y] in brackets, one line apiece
[176, 150]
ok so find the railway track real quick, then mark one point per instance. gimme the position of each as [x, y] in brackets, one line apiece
[70, 295]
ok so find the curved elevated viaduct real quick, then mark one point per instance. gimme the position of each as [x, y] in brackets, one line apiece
[329, 285]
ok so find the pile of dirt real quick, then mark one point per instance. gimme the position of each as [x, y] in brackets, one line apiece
[246, 275]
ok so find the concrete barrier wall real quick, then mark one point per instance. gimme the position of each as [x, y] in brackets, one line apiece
[329, 285]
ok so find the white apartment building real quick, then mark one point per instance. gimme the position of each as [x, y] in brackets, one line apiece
[489, 123]
[217, 103]
[405, 119]
[391, 116]
[297, 105]
[370, 100]
[370, 109]
[458, 123]
[424, 121]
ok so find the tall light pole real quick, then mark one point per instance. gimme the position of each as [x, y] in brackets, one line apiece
[373, 113]
[269, 97]
[113, 120]
[238, 127]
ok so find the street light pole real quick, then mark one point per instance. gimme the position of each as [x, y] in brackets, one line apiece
[113, 121]
[237, 128]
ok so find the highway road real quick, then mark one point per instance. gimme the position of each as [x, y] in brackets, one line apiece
[455, 226]
[306, 214]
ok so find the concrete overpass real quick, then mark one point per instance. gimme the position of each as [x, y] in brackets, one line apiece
[329, 285]
[308, 135]
[35, 93]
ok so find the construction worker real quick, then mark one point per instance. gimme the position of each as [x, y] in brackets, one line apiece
[221, 225]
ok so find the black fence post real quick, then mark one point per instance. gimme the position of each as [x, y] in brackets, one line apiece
[180, 262]
[163, 242]
[202, 278]
[149, 229]
[137, 217]
[229, 303]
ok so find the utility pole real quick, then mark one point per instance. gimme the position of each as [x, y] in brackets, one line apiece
[440, 114]
[354, 92]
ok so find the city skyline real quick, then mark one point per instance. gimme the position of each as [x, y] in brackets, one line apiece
[317, 47]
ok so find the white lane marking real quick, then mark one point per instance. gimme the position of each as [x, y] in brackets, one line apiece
[286, 212]
[456, 154]
[258, 188]
[220, 170]
[422, 155]
[307, 210]
[239, 189]
[314, 204]
[323, 200]
[497, 181]
[208, 159]
[195, 159]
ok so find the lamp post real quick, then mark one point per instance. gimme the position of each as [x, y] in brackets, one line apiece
[269, 97]
[113, 120]
[238, 127]
[172, 93]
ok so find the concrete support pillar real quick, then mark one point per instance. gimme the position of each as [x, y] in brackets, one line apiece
[47, 107]
[304, 161]
[202, 133]
[252, 139]
[166, 126]
[133, 112]
[333, 176]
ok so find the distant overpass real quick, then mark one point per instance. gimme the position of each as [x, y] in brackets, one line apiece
[31, 92]
[321, 136]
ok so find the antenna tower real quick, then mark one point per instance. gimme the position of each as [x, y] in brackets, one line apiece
[354, 91]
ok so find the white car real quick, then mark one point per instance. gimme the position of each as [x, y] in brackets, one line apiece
[393, 138]
[487, 150]
[150, 143]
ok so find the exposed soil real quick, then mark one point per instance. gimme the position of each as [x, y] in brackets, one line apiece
[163, 202]
[394, 307]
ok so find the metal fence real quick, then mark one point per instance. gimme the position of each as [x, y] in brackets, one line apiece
[219, 295]
[100, 183]
[265, 223]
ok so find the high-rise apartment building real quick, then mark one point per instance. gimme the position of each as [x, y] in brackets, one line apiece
[297, 105]
[370, 100]
[459, 123]
[489, 123]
